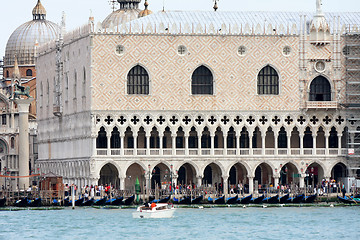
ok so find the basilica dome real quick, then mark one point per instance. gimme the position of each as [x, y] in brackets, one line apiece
[129, 10]
[23, 40]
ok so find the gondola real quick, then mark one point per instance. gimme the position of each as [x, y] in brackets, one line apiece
[271, 200]
[185, 200]
[232, 200]
[357, 196]
[35, 203]
[67, 202]
[284, 198]
[115, 201]
[163, 200]
[22, 202]
[55, 203]
[151, 198]
[197, 200]
[309, 199]
[245, 200]
[297, 199]
[347, 200]
[2, 202]
[220, 200]
[79, 202]
[100, 202]
[88, 203]
[257, 200]
[129, 200]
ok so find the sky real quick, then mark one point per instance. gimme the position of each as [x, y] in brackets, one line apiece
[14, 13]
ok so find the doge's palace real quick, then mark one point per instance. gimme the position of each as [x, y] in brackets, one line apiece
[199, 97]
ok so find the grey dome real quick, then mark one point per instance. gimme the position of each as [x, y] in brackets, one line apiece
[129, 10]
[22, 41]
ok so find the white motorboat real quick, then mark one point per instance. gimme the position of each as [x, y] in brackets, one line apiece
[155, 210]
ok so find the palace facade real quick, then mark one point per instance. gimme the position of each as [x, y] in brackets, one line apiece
[200, 98]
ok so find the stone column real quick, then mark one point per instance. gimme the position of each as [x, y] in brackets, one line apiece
[302, 181]
[135, 136]
[301, 136]
[251, 185]
[199, 144]
[225, 143]
[186, 136]
[122, 139]
[289, 143]
[327, 135]
[108, 136]
[314, 144]
[263, 137]
[276, 139]
[251, 143]
[147, 136]
[173, 144]
[199, 181]
[226, 185]
[339, 144]
[276, 182]
[23, 107]
[122, 183]
[212, 145]
[161, 144]
[238, 136]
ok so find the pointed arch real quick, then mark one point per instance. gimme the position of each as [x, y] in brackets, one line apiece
[202, 81]
[320, 89]
[138, 81]
[268, 81]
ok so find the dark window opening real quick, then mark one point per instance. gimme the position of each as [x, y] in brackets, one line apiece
[320, 89]
[202, 81]
[268, 81]
[138, 81]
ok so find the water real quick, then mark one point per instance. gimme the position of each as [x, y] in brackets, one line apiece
[216, 223]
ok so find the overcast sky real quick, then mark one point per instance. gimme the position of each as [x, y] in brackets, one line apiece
[14, 13]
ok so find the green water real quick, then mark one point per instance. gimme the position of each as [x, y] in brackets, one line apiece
[214, 223]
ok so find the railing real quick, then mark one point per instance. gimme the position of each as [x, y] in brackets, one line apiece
[322, 104]
[223, 152]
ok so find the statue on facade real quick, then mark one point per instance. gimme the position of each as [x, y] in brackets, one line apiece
[20, 91]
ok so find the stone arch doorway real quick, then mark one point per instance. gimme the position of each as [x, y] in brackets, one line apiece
[238, 176]
[109, 175]
[263, 176]
[186, 174]
[212, 176]
[135, 171]
[288, 175]
[160, 176]
[338, 171]
[314, 175]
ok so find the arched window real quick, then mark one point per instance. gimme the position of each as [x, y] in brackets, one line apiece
[29, 73]
[115, 138]
[12, 142]
[101, 140]
[7, 74]
[138, 81]
[202, 81]
[268, 81]
[320, 89]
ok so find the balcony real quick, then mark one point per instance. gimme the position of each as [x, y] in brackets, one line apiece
[221, 152]
[322, 105]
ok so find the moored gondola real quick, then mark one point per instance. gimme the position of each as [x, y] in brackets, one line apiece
[129, 200]
[284, 198]
[3, 202]
[347, 200]
[24, 202]
[232, 200]
[100, 202]
[271, 200]
[245, 200]
[257, 200]
[88, 203]
[185, 200]
[163, 200]
[296, 199]
[115, 201]
[35, 203]
[79, 202]
[197, 200]
[210, 200]
[309, 199]
[220, 200]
